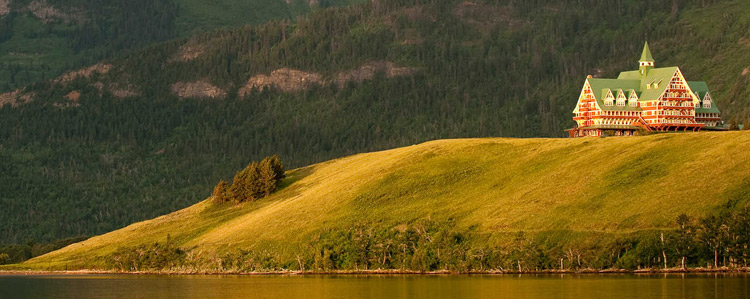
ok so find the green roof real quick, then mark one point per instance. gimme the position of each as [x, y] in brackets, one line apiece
[662, 76]
[600, 87]
[646, 55]
[649, 86]
[632, 80]
[701, 89]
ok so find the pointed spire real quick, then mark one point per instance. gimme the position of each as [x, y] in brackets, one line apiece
[646, 55]
[647, 61]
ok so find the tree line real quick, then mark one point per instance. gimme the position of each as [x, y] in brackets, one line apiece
[716, 241]
[17, 253]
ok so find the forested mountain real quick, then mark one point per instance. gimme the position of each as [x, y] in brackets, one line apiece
[39, 39]
[142, 134]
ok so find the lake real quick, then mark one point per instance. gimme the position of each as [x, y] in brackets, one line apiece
[378, 286]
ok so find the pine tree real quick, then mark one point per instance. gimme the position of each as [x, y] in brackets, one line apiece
[278, 168]
[238, 190]
[220, 192]
[256, 181]
[251, 182]
[268, 180]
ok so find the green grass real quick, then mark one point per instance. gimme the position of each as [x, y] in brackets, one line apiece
[560, 189]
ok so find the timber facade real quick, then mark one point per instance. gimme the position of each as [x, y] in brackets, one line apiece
[647, 99]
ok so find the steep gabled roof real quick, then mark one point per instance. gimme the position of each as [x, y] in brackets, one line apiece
[701, 89]
[599, 88]
[658, 75]
[698, 87]
[632, 93]
[647, 87]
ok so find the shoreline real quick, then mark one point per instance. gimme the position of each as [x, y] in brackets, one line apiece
[383, 272]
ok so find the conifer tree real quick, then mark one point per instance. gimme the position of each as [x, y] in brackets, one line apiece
[267, 177]
[278, 168]
[238, 190]
[252, 186]
[220, 192]
[257, 180]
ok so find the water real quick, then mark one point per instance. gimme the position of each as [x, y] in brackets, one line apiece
[378, 286]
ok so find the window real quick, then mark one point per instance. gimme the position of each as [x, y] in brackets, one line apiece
[609, 98]
[633, 99]
[620, 98]
[707, 101]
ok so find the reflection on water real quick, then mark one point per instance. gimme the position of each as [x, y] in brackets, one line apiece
[378, 286]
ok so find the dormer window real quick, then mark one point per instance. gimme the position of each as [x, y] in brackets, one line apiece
[633, 99]
[707, 101]
[697, 100]
[620, 98]
[609, 98]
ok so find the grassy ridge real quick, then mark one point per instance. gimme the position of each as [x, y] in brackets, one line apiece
[560, 188]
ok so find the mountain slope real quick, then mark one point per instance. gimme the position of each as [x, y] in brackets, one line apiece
[560, 190]
[198, 16]
[40, 39]
[150, 133]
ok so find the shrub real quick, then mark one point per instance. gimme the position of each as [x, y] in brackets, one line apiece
[151, 257]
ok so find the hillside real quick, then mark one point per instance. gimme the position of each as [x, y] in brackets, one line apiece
[40, 39]
[583, 194]
[148, 133]
[197, 16]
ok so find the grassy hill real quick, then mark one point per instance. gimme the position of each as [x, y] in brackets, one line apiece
[148, 133]
[562, 191]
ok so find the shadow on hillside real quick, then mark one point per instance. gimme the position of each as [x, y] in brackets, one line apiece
[293, 176]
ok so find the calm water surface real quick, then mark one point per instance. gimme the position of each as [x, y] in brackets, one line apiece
[378, 286]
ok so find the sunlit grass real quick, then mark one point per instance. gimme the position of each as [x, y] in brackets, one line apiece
[560, 188]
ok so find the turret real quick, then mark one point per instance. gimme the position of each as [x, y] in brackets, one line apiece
[647, 61]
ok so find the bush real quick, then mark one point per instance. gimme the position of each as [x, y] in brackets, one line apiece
[152, 257]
